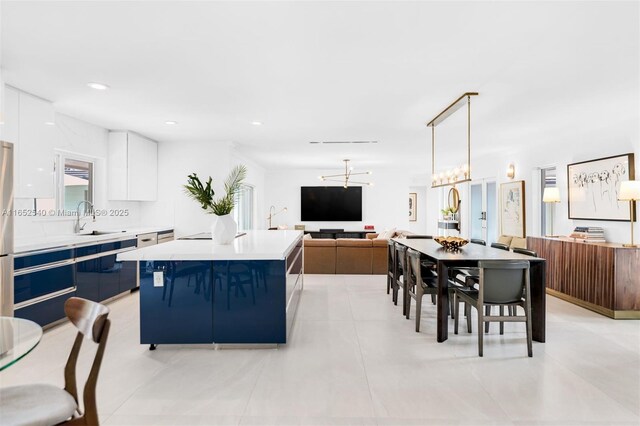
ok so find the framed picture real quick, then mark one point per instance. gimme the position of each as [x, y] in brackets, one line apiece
[512, 212]
[413, 202]
[594, 186]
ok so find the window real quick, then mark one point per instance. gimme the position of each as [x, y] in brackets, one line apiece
[548, 176]
[243, 212]
[74, 183]
[77, 185]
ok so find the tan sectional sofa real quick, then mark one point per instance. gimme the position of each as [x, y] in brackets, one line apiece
[345, 256]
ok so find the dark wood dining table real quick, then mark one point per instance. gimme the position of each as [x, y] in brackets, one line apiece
[469, 256]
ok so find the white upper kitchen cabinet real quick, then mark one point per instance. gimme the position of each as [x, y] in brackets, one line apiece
[132, 167]
[34, 138]
[10, 116]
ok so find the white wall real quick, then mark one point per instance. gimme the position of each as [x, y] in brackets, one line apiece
[557, 150]
[384, 205]
[175, 162]
[78, 137]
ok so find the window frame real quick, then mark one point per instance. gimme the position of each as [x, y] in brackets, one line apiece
[60, 160]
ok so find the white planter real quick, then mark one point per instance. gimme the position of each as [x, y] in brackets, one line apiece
[224, 229]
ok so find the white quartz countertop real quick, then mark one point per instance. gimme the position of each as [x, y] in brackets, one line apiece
[22, 245]
[255, 245]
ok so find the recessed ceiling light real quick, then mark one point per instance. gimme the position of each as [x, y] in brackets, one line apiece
[257, 123]
[170, 122]
[97, 86]
[49, 123]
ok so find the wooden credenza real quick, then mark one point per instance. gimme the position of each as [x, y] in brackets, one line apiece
[602, 277]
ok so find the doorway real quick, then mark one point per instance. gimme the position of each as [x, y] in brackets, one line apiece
[484, 210]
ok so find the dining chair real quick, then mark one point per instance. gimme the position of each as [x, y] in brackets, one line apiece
[44, 404]
[512, 309]
[500, 246]
[400, 276]
[477, 241]
[525, 252]
[502, 283]
[426, 264]
[421, 281]
[391, 264]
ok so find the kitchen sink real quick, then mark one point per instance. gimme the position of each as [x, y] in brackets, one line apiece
[99, 233]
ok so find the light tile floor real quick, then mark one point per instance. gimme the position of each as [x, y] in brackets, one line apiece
[354, 360]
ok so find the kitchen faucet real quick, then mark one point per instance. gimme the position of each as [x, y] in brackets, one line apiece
[77, 227]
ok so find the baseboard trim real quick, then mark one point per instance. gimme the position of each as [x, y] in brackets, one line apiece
[595, 308]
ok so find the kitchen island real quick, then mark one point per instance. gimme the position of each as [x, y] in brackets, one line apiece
[193, 291]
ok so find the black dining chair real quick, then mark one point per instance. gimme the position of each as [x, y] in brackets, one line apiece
[525, 252]
[502, 283]
[477, 241]
[421, 281]
[391, 264]
[500, 246]
[400, 277]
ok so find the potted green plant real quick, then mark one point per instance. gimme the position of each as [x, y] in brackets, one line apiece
[224, 228]
[447, 213]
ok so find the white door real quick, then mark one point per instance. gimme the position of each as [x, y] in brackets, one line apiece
[484, 210]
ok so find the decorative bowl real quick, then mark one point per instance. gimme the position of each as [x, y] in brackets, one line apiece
[451, 243]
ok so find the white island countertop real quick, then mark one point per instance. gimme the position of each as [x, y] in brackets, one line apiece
[255, 245]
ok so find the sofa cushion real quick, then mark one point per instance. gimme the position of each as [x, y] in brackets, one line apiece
[353, 242]
[354, 259]
[320, 242]
[378, 242]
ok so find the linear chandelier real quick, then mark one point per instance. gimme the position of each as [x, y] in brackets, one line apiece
[345, 178]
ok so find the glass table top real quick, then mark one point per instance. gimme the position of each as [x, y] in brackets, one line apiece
[18, 337]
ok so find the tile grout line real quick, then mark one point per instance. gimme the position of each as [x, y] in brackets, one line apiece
[364, 367]
[253, 388]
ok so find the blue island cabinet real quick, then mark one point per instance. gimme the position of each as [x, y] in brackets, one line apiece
[250, 301]
[212, 302]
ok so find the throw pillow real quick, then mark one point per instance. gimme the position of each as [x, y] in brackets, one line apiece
[387, 234]
[517, 242]
[504, 239]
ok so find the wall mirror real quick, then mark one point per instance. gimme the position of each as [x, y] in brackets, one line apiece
[453, 200]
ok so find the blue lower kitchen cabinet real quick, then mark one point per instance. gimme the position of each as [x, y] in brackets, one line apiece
[109, 277]
[227, 302]
[44, 280]
[42, 283]
[176, 302]
[128, 275]
[88, 279]
[249, 302]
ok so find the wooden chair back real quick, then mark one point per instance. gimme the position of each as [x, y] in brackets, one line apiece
[90, 318]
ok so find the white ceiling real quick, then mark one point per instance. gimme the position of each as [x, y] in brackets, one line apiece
[315, 71]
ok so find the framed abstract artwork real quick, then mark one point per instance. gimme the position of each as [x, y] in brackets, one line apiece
[594, 186]
[512, 211]
[413, 210]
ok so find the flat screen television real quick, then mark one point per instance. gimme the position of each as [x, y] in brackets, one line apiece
[331, 203]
